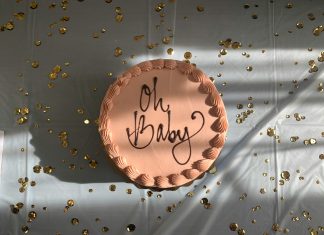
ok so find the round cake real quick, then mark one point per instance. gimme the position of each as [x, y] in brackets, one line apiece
[163, 123]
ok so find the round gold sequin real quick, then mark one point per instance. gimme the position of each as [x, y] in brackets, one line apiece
[85, 232]
[93, 164]
[321, 156]
[86, 121]
[131, 227]
[299, 25]
[62, 30]
[24, 229]
[75, 221]
[112, 187]
[104, 229]
[241, 231]
[159, 7]
[33, 5]
[166, 40]
[285, 175]
[249, 68]
[32, 215]
[70, 203]
[35, 64]
[200, 8]
[170, 51]
[263, 191]
[233, 226]
[118, 52]
[187, 55]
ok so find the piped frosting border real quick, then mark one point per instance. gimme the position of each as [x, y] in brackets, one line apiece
[217, 110]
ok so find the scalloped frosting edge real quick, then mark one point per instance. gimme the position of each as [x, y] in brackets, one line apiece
[217, 110]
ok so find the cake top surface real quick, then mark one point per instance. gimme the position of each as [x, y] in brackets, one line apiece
[163, 123]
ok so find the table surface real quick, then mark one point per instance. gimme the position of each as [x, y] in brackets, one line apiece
[269, 175]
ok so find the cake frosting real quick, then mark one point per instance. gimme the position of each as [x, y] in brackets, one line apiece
[163, 123]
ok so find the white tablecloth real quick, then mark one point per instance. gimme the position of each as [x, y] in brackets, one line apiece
[246, 189]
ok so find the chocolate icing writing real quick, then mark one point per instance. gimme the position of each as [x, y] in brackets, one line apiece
[162, 132]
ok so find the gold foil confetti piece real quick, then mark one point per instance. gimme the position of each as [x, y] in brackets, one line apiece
[104, 229]
[90, 190]
[190, 194]
[295, 218]
[223, 52]
[312, 141]
[129, 191]
[312, 231]
[187, 55]
[86, 121]
[112, 187]
[32, 215]
[241, 231]
[37, 43]
[289, 5]
[48, 169]
[85, 232]
[233, 226]
[131, 227]
[93, 164]
[119, 17]
[166, 40]
[236, 45]
[321, 156]
[14, 209]
[56, 69]
[294, 138]
[64, 75]
[249, 68]
[73, 151]
[19, 15]
[33, 5]
[118, 52]
[33, 183]
[75, 221]
[254, 16]
[138, 37]
[24, 229]
[35, 64]
[170, 51]
[299, 25]
[70, 203]
[285, 175]
[263, 191]
[200, 8]
[149, 193]
[271, 132]
[317, 30]
[311, 16]
[62, 30]
[22, 120]
[159, 7]
[204, 201]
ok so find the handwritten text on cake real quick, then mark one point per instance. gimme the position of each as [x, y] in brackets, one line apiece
[160, 133]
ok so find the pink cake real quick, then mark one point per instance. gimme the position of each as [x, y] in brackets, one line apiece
[163, 123]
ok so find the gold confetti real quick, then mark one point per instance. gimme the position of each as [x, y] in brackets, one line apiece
[271, 132]
[37, 43]
[62, 30]
[166, 40]
[70, 203]
[85, 232]
[131, 227]
[200, 8]
[241, 231]
[118, 52]
[86, 121]
[138, 37]
[159, 7]
[187, 55]
[33, 5]
[32, 215]
[170, 51]
[93, 164]
[112, 187]
[317, 30]
[285, 175]
[48, 169]
[25, 229]
[249, 68]
[35, 64]
[104, 229]
[321, 156]
[64, 75]
[75, 221]
[299, 25]
[52, 76]
[233, 226]
[263, 191]
[19, 15]
[119, 18]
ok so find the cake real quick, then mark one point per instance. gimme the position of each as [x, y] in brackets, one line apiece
[163, 123]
